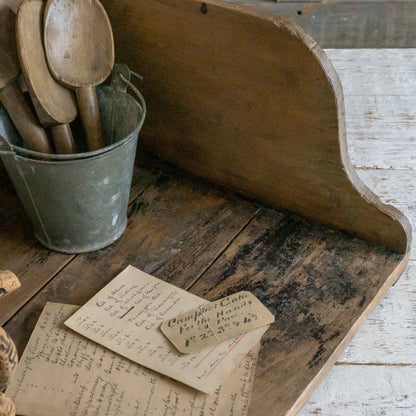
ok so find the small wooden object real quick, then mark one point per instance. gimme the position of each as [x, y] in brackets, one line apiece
[7, 407]
[10, 94]
[80, 52]
[54, 104]
[8, 359]
[8, 282]
[8, 353]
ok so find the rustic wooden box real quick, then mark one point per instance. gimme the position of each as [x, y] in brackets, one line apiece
[251, 107]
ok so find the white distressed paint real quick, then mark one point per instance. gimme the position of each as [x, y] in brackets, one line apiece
[376, 375]
[380, 105]
[364, 390]
[381, 131]
[389, 335]
[395, 187]
[365, 72]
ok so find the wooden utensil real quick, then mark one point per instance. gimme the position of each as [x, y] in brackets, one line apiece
[79, 48]
[8, 352]
[8, 282]
[10, 94]
[54, 104]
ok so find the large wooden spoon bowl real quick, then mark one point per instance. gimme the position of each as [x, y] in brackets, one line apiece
[79, 48]
[9, 63]
[54, 104]
[10, 94]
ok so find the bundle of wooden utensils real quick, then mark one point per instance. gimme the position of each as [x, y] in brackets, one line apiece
[63, 48]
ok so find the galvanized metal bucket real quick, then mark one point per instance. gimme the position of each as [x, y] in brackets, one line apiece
[78, 203]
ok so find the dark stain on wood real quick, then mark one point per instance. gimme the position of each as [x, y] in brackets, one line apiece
[316, 281]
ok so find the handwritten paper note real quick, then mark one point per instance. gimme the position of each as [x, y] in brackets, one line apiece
[62, 373]
[215, 322]
[125, 317]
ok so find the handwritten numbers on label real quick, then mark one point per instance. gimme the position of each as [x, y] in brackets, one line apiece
[211, 323]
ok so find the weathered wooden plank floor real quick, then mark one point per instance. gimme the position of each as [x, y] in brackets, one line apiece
[317, 281]
[377, 372]
[180, 230]
[340, 23]
[348, 24]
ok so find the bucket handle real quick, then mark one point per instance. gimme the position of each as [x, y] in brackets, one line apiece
[138, 94]
[6, 147]
[122, 72]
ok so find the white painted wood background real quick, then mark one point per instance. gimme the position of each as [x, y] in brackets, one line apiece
[376, 375]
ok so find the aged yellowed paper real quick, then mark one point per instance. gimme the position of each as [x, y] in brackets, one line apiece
[62, 373]
[125, 317]
[215, 322]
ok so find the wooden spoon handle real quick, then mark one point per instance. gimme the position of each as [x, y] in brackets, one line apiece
[90, 116]
[25, 122]
[63, 139]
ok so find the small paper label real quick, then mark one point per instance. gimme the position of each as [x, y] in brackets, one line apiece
[215, 322]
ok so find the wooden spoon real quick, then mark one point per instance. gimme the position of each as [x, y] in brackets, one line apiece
[54, 104]
[79, 49]
[10, 94]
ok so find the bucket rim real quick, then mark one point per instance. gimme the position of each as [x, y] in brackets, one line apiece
[105, 152]
[33, 156]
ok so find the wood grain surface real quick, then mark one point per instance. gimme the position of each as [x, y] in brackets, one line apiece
[382, 385]
[176, 230]
[380, 358]
[54, 104]
[11, 97]
[58, 103]
[349, 24]
[79, 48]
[272, 121]
[23, 254]
[297, 270]
[79, 43]
[340, 23]
[9, 63]
[320, 283]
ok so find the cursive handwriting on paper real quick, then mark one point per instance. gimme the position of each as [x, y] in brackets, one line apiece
[64, 373]
[215, 322]
[125, 317]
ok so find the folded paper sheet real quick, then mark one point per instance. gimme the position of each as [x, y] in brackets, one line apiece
[125, 317]
[62, 373]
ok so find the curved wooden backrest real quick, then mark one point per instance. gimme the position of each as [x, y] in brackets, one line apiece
[249, 101]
